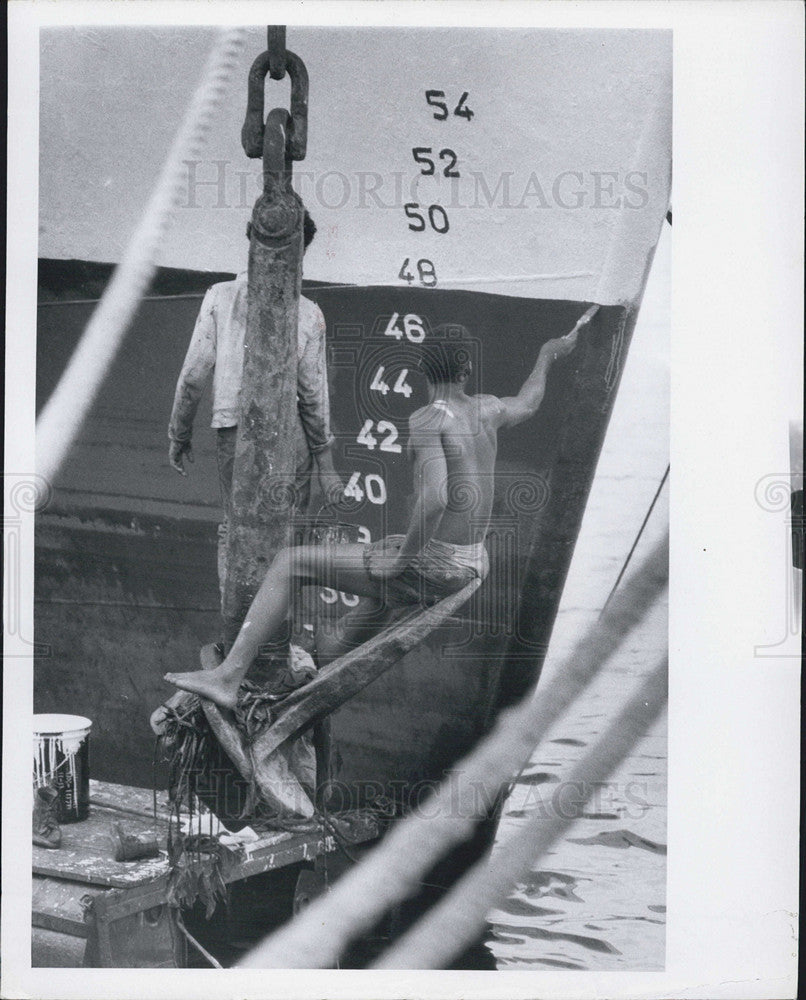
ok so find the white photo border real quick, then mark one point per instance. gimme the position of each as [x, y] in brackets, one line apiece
[736, 366]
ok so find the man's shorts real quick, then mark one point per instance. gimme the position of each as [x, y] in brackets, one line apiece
[438, 571]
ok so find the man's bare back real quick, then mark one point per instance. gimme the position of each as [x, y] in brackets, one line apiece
[468, 433]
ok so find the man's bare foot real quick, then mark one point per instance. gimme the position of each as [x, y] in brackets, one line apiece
[210, 684]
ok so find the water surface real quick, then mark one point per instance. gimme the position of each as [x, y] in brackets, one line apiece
[597, 900]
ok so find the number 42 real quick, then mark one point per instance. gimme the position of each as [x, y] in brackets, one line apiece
[388, 443]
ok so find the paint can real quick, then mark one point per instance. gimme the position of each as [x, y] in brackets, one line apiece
[62, 759]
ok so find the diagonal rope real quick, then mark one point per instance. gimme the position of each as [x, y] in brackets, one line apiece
[392, 871]
[457, 919]
[65, 411]
[199, 947]
[637, 540]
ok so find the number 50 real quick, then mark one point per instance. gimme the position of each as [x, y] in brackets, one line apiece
[437, 216]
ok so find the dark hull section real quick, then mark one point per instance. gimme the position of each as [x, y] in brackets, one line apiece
[126, 583]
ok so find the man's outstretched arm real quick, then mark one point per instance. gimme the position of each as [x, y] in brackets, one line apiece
[515, 409]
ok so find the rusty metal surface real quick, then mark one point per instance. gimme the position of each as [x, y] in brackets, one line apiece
[55, 950]
[58, 905]
[351, 673]
[253, 126]
[265, 452]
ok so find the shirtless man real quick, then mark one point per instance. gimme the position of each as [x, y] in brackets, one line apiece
[453, 442]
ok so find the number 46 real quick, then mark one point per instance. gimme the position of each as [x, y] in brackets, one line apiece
[413, 329]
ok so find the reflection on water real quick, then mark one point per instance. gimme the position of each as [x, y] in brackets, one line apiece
[618, 838]
[597, 899]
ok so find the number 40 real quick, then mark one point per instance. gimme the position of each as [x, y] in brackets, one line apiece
[374, 484]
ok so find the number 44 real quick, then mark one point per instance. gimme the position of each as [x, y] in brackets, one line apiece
[401, 385]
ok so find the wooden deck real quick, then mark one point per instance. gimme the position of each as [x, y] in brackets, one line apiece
[81, 891]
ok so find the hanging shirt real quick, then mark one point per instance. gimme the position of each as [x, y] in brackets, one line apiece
[217, 346]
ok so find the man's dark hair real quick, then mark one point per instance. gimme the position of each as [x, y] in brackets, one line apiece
[445, 356]
[308, 230]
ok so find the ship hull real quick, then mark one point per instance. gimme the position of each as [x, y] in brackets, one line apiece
[126, 585]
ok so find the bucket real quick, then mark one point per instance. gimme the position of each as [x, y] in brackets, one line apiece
[62, 759]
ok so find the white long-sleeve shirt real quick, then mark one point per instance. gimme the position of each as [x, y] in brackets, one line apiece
[217, 346]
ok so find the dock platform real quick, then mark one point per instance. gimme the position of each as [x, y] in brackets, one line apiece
[90, 910]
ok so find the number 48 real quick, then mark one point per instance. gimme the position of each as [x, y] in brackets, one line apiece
[425, 270]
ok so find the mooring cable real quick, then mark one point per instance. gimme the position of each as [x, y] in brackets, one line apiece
[458, 918]
[637, 540]
[392, 871]
[199, 947]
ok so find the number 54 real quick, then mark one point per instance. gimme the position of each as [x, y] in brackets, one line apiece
[436, 99]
